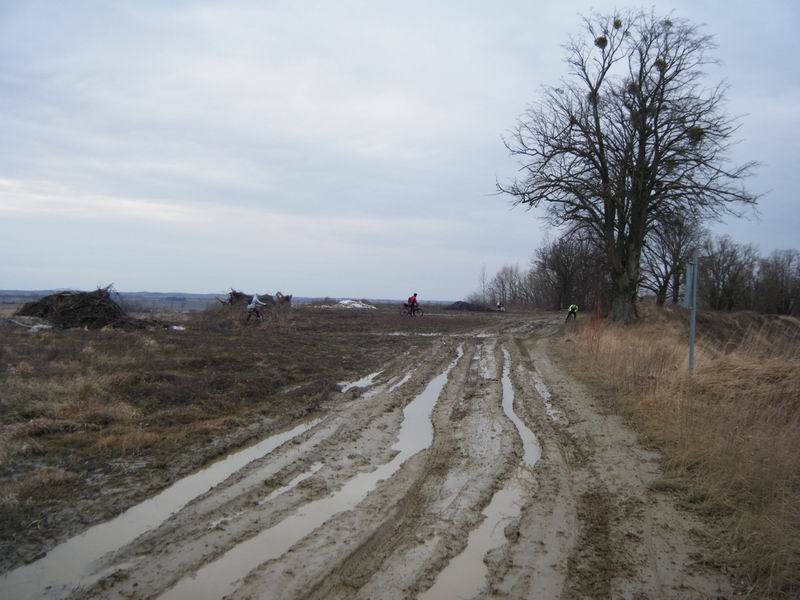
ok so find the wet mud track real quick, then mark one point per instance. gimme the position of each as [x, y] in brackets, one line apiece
[479, 470]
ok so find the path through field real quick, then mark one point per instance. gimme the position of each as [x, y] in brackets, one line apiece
[477, 469]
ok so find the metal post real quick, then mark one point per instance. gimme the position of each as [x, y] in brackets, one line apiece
[692, 301]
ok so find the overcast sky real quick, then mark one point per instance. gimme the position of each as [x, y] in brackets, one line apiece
[344, 148]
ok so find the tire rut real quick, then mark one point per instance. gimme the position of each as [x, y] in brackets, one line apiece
[186, 541]
[590, 527]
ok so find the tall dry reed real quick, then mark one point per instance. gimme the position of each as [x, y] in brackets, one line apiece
[730, 433]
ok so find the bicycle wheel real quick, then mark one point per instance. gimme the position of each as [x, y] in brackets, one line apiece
[419, 312]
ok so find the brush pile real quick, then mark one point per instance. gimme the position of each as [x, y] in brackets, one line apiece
[236, 298]
[91, 310]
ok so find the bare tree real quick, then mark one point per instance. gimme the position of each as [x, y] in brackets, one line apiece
[484, 291]
[507, 286]
[565, 270]
[664, 256]
[629, 138]
[778, 283]
[727, 273]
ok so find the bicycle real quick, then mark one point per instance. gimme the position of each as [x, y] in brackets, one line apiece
[411, 312]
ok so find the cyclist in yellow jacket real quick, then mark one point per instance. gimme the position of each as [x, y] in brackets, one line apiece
[573, 311]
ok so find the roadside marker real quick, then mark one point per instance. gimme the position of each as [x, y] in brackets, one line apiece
[690, 302]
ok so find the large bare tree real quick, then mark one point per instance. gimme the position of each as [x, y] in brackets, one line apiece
[629, 138]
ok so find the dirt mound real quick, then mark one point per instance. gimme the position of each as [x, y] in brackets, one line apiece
[93, 310]
[468, 306]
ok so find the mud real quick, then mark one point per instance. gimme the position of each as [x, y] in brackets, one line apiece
[67, 565]
[498, 461]
[465, 575]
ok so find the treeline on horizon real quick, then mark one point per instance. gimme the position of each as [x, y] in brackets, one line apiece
[572, 269]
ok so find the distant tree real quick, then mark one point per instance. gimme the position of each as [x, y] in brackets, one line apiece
[727, 273]
[777, 288]
[484, 285]
[629, 139]
[667, 248]
[565, 271]
[507, 286]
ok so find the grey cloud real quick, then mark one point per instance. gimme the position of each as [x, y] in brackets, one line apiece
[359, 133]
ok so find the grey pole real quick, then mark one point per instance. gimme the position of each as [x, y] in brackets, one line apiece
[692, 309]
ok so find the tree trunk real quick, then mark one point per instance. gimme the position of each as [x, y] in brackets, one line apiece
[623, 304]
[623, 308]
[676, 286]
[625, 275]
[661, 296]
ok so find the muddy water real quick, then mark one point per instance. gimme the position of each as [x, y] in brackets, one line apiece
[69, 564]
[465, 575]
[218, 578]
[402, 381]
[292, 484]
[281, 490]
[365, 381]
[543, 391]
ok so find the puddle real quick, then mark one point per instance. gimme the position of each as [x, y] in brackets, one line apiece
[547, 397]
[465, 575]
[397, 384]
[69, 564]
[218, 578]
[365, 381]
[486, 360]
[410, 334]
[292, 484]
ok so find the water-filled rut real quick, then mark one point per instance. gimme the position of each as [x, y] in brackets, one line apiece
[465, 575]
[70, 564]
[220, 577]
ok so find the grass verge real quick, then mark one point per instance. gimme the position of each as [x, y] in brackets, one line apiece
[729, 434]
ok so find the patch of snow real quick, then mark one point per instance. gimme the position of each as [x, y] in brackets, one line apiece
[350, 304]
[356, 304]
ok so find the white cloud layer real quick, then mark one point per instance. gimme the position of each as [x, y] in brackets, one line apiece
[344, 148]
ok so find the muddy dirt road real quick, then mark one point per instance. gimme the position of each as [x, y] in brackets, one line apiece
[477, 469]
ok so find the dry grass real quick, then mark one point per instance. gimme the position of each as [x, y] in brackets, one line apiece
[46, 478]
[127, 412]
[729, 434]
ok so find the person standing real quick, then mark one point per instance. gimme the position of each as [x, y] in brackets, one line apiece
[573, 312]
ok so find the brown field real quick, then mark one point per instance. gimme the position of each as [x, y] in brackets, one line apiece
[125, 413]
[729, 434]
[693, 492]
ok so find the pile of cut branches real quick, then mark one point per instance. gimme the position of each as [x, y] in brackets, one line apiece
[236, 297]
[92, 310]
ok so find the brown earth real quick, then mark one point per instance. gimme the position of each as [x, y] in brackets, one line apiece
[98, 420]
[592, 523]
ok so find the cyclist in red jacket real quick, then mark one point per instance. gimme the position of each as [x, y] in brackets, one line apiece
[412, 303]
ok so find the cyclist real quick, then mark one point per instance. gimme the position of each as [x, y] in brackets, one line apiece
[252, 308]
[413, 304]
[573, 312]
